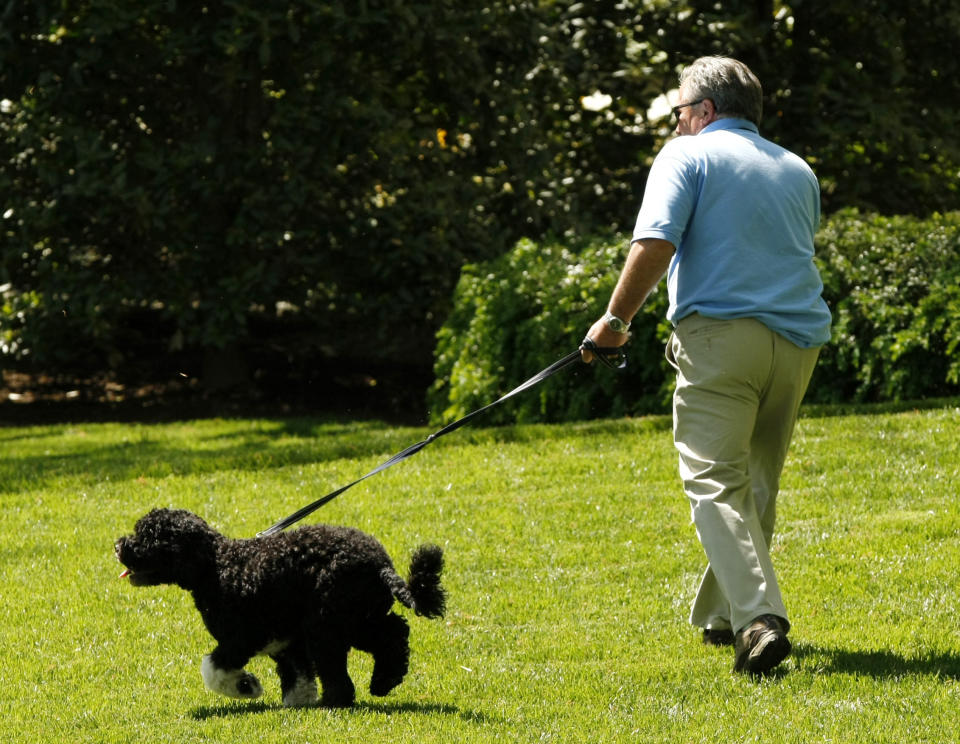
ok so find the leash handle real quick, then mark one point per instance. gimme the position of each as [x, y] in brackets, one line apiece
[614, 357]
[588, 343]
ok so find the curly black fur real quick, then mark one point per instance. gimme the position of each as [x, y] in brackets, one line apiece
[305, 597]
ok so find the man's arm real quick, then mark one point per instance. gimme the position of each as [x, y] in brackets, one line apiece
[647, 262]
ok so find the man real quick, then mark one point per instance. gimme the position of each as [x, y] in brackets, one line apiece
[730, 217]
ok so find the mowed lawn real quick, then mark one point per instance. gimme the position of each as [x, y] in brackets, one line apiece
[571, 563]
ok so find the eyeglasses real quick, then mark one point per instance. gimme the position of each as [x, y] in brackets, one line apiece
[676, 109]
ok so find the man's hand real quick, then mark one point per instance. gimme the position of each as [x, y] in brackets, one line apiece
[604, 337]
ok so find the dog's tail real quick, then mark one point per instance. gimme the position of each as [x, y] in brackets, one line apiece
[422, 592]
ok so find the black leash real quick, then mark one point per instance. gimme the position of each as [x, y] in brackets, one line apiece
[615, 358]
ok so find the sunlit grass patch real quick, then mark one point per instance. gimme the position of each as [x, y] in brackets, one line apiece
[571, 563]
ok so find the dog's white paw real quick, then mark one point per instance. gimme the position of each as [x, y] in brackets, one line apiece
[302, 695]
[235, 683]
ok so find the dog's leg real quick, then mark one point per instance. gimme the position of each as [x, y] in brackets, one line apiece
[297, 679]
[330, 660]
[225, 675]
[388, 641]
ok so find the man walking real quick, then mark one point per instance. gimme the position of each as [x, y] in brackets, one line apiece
[730, 217]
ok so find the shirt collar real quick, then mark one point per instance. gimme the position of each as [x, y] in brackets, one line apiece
[721, 124]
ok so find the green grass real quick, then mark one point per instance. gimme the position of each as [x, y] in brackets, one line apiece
[571, 563]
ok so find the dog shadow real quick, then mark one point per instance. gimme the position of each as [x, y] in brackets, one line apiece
[226, 710]
[254, 707]
[880, 664]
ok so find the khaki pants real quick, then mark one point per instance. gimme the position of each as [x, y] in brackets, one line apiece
[739, 387]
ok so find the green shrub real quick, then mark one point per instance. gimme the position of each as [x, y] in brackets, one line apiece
[893, 284]
[517, 314]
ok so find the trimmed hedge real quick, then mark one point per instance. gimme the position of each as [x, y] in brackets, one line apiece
[518, 313]
[893, 284]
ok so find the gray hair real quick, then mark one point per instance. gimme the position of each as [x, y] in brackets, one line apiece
[733, 88]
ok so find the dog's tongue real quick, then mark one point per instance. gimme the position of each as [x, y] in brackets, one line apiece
[125, 573]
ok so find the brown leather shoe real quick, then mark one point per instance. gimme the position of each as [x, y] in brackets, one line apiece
[761, 645]
[718, 637]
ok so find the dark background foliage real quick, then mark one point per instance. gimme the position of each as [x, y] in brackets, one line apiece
[266, 195]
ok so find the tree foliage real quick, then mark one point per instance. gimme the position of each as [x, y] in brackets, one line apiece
[301, 183]
[213, 168]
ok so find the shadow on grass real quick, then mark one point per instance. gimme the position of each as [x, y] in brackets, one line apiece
[880, 664]
[444, 709]
[827, 410]
[225, 710]
[271, 444]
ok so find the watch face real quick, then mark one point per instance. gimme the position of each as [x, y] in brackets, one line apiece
[617, 325]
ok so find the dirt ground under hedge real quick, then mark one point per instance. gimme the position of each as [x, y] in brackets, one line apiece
[39, 399]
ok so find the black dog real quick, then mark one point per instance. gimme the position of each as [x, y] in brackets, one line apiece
[304, 597]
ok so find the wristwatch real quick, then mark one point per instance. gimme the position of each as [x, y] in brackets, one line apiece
[616, 324]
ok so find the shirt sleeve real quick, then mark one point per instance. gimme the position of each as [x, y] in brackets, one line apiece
[669, 197]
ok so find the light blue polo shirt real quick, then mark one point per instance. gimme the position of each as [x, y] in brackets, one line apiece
[742, 213]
